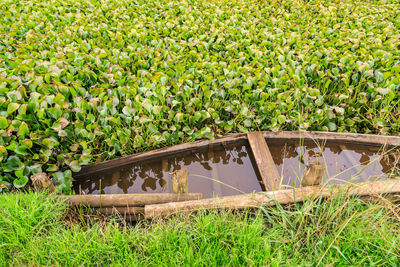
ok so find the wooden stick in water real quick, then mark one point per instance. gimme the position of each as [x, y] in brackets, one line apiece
[287, 196]
[165, 175]
[214, 174]
[114, 182]
[180, 182]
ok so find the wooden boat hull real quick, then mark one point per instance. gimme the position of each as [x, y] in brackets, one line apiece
[259, 145]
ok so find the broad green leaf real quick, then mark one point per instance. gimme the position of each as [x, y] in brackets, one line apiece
[13, 164]
[3, 123]
[21, 182]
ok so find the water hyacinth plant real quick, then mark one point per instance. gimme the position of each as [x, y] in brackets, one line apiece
[84, 81]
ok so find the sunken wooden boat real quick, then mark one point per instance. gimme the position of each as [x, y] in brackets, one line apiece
[240, 170]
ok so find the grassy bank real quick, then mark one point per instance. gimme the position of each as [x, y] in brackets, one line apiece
[84, 81]
[35, 230]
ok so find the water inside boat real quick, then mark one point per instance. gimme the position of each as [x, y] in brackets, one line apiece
[231, 169]
[343, 163]
[221, 171]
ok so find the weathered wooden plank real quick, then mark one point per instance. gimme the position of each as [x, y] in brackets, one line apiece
[288, 196]
[349, 138]
[128, 200]
[265, 163]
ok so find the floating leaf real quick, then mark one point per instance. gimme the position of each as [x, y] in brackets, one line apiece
[23, 129]
[3, 123]
[75, 166]
[13, 164]
[21, 182]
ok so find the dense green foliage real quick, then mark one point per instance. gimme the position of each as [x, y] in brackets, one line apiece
[84, 81]
[339, 231]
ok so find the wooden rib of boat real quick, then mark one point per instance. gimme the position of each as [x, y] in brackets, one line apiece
[258, 142]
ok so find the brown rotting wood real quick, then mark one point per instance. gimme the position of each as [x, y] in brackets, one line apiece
[265, 163]
[287, 196]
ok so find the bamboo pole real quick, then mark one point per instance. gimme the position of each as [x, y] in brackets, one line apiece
[271, 198]
[128, 200]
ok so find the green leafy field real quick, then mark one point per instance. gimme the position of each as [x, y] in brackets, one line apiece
[84, 81]
[34, 231]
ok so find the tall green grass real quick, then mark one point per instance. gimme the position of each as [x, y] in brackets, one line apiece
[34, 230]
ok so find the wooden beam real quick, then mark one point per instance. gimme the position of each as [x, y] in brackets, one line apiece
[288, 196]
[332, 137]
[128, 200]
[265, 163]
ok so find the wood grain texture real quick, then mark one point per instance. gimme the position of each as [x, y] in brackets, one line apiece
[346, 138]
[265, 163]
[288, 196]
[128, 200]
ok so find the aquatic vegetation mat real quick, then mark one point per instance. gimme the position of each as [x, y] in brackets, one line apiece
[84, 81]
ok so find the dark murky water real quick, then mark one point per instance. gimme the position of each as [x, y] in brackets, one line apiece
[343, 162]
[235, 169]
[231, 165]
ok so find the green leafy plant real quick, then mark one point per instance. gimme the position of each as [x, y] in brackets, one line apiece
[86, 81]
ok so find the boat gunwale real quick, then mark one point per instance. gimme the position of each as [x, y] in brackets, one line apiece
[331, 137]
